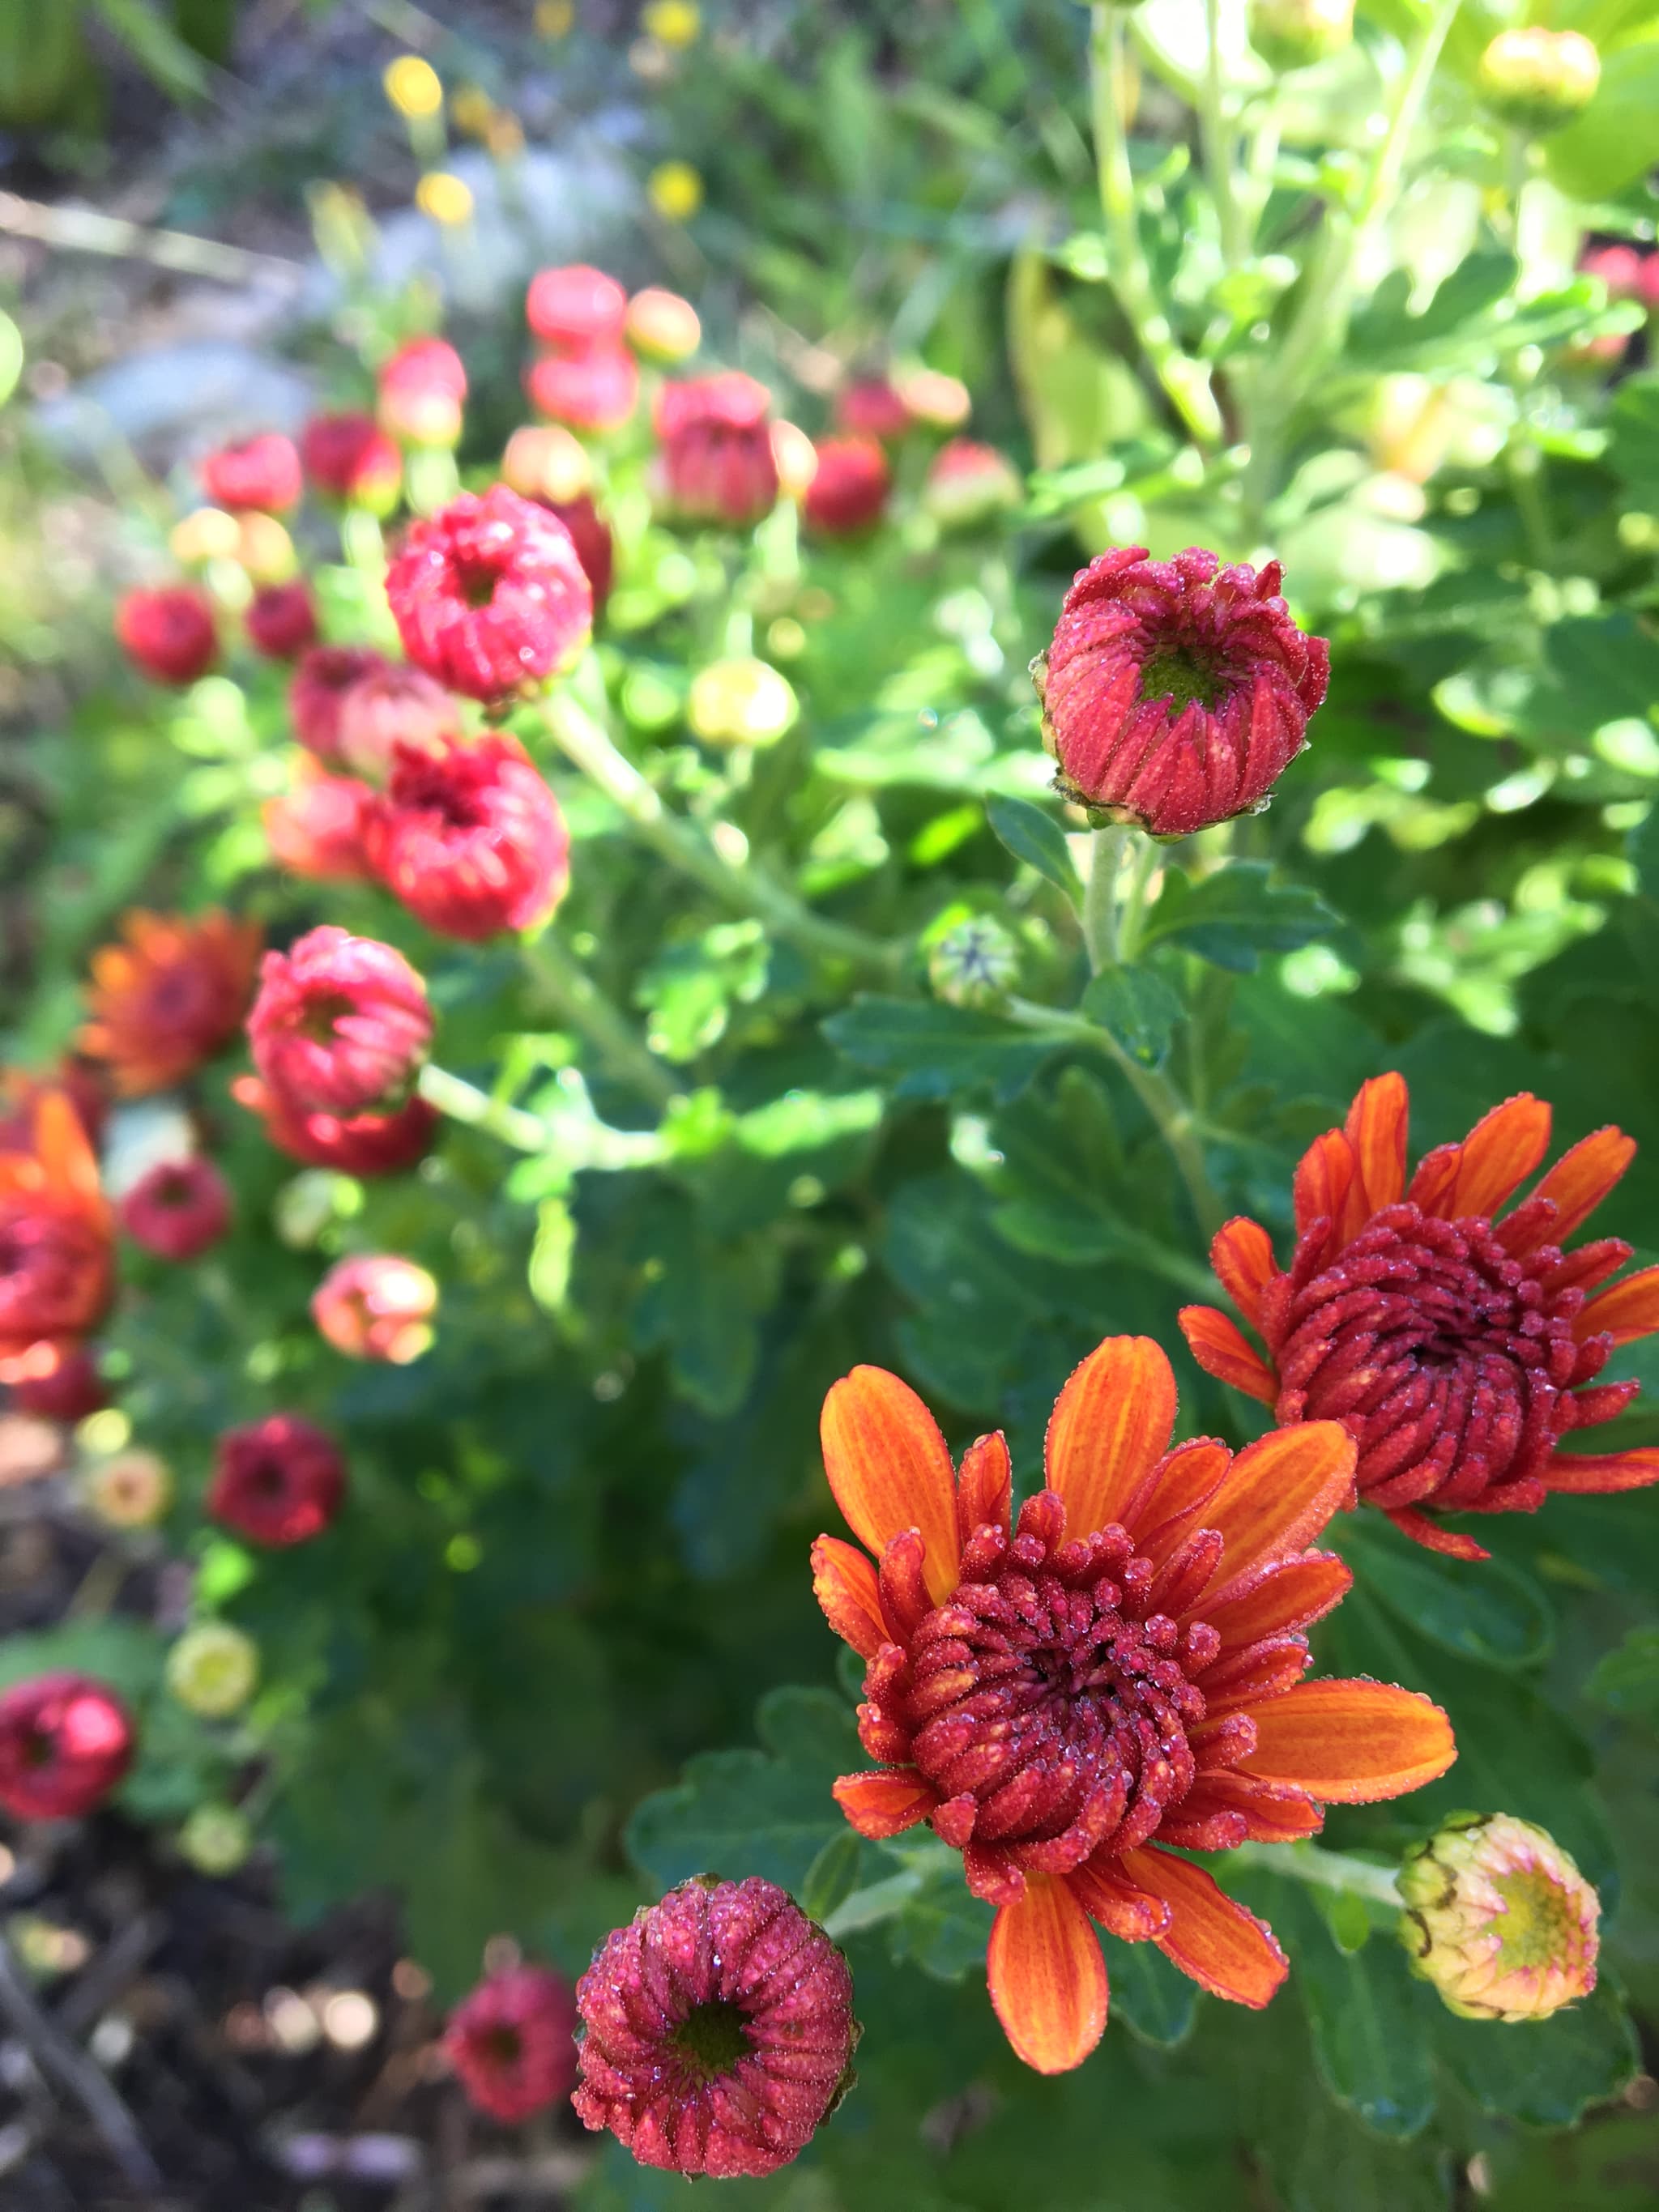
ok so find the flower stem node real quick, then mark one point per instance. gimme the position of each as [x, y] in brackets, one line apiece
[1539, 79]
[1499, 1919]
[974, 963]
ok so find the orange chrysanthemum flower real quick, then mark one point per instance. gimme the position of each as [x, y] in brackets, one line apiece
[1456, 1351]
[1121, 1670]
[56, 1273]
[168, 997]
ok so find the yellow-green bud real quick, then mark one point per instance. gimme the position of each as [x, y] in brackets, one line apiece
[213, 1669]
[215, 1839]
[1499, 1919]
[741, 702]
[1539, 79]
[975, 962]
[1291, 34]
[130, 1490]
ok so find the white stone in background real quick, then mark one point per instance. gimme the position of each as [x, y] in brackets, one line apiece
[142, 1135]
[200, 394]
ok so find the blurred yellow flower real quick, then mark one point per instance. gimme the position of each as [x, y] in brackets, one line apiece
[413, 87]
[675, 190]
[674, 22]
[472, 108]
[504, 136]
[444, 197]
[206, 534]
[556, 19]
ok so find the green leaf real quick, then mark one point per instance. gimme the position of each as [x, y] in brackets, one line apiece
[1154, 2000]
[1545, 2073]
[832, 1877]
[1493, 1612]
[156, 46]
[935, 1051]
[1235, 915]
[1034, 837]
[1139, 1008]
[1626, 1679]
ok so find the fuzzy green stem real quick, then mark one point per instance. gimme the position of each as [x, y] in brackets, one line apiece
[1100, 898]
[1323, 1870]
[579, 1001]
[1131, 915]
[464, 1102]
[1216, 138]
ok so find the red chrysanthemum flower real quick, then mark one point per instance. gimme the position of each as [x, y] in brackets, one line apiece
[1454, 1348]
[277, 1482]
[56, 1269]
[576, 308]
[376, 1306]
[849, 487]
[1120, 1672]
[178, 1208]
[511, 2043]
[420, 393]
[715, 457]
[168, 997]
[391, 705]
[316, 829]
[1176, 693]
[597, 391]
[590, 533]
[69, 1388]
[357, 1144]
[873, 408]
[351, 458]
[281, 620]
[81, 1083]
[168, 632]
[325, 674]
[718, 2030]
[471, 840]
[65, 1743]
[490, 596]
[341, 1025]
[262, 474]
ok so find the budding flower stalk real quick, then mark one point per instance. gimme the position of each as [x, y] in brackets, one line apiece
[975, 964]
[1538, 79]
[1498, 1917]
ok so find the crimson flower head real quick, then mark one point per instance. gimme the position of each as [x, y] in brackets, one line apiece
[472, 839]
[376, 1306]
[351, 458]
[392, 705]
[169, 633]
[512, 2042]
[317, 691]
[597, 389]
[849, 487]
[262, 474]
[178, 1208]
[715, 449]
[1175, 693]
[277, 1482]
[1459, 1351]
[354, 1144]
[169, 996]
[576, 308]
[873, 408]
[1116, 1673]
[281, 620]
[717, 2030]
[590, 533]
[66, 1742]
[56, 1266]
[420, 393]
[316, 828]
[341, 1025]
[66, 1387]
[490, 596]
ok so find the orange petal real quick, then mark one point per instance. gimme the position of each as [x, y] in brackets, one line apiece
[1376, 1128]
[1626, 1309]
[1324, 1177]
[1602, 1471]
[844, 1583]
[1106, 1894]
[1279, 1494]
[885, 1803]
[1241, 1254]
[1225, 1949]
[1170, 1504]
[890, 1470]
[1273, 1814]
[1108, 1430]
[1434, 1535]
[1047, 1978]
[984, 1486]
[1348, 1743]
[1276, 1598]
[1581, 1179]
[1222, 1349]
[1498, 1154]
[60, 1141]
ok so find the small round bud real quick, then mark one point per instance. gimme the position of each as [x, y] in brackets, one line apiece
[545, 461]
[1289, 34]
[968, 484]
[796, 458]
[1539, 79]
[130, 1490]
[265, 550]
[213, 1669]
[1498, 1918]
[215, 1839]
[942, 401]
[741, 702]
[376, 1306]
[975, 963]
[662, 326]
[209, 533]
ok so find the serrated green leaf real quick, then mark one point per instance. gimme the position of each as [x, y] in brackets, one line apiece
[1545, 2073]
[1626, 1679]
[1235, 915]
[938, 1052]
[1037, 838]
[1139, 1008]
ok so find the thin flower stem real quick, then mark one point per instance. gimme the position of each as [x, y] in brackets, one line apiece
[1100, 897]
[736, 881]
[1131, 915]
[1216, 136]
[1323, 1870]
[1184, 379]
[579, 1001]
[464, 1102]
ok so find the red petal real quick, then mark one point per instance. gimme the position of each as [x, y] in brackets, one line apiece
[1106, 1894]
[1580, 1180]
[1498, 1154]
[1271, 1812]
[1222, 1349]
[1047, 1978]
[985, 1486]
[1626, 1310]
[1433, 1537]
[1225, 1949]
[1324, 1178]
[1376, 1128]
[1168, 1503]
[1109, 1428]
[1349, 1743]
[1602, 1471]
[886, 1802]
[1275, 1598]
[1279, 1494]
[1241, 1255]
[844, 1584]
[890, 1470]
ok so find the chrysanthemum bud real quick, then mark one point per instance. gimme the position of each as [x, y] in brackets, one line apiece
[597, 390]
[349, 458]
[1539, 79]
[741, 702]
[178, 1208]
[129, 1490]
[261, 472]
[278, 1481]
[1291, 34]
[661, 327]
[968, 484]
[66, 1742]
[213, 1669]
[1499, 1919]
[850, 482]
[545, 461]
[169, 634]
[942, 401]
[215, 1839]
[716, 459]
[341, 1025]
[325, 674]
[575, 308]
[511, 2043]
[209, 533]
[872, 407]
[281, 620]
[420, 391]
[975, 964]
[376, 1305]
[265, 550]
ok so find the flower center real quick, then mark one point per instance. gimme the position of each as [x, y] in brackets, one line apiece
[267, 1478]
[1536, 1929]
[477, 580]
[1181, 676]
[711, 2038]
[502, 2045]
